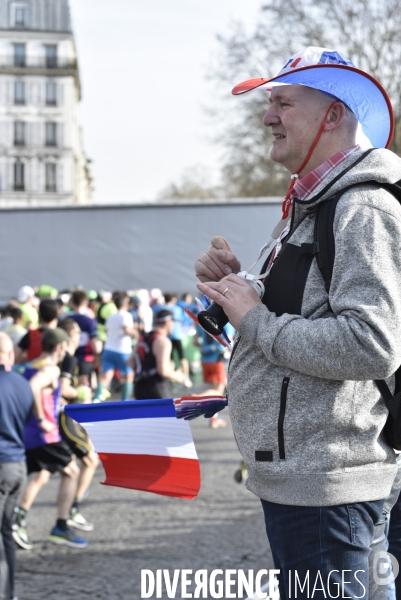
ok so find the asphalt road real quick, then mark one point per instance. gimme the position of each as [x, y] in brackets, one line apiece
[221, 529]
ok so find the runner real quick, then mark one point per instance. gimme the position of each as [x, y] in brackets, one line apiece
[16, 331]
[6, 318]
[46, 452]
[214, 372]
[104, 309]
[154, 371]
[27, 300]
[176, 333]
[121, 330]
[71, 432]
[89, 344]
[30, 345]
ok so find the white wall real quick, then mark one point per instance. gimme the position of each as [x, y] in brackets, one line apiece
[125, 247]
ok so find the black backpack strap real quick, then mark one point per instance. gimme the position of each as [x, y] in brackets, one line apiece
[384, 390]
[324, 237]
[393, 188]
[324, 246]
[393, 401]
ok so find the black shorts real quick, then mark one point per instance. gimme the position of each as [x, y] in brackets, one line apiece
[152, 387]
[177, 345]
[85, 367]
[74, 435]
[51, 457]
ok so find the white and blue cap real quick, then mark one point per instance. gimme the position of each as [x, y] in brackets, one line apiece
[327, 71]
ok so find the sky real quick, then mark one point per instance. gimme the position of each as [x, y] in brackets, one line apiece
[143, 68]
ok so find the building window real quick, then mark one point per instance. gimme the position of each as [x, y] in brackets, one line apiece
[51, 177]
[51, 134]
[19, 176]
[21, 17]
[19, 133]
[19, 92]
[19, 55]
[51, 56]
[51, 93]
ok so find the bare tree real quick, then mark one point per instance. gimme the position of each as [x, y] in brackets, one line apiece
[194, 184]
[364, 31]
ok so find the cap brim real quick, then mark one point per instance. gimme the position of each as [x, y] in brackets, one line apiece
[361, 92]
[63, 338]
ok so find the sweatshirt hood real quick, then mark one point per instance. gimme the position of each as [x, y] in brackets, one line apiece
[379, 165]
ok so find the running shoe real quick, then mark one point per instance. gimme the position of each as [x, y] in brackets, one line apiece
[77, 520]
[105, 395]
[241, 474]
[67, 537]
[19, 532]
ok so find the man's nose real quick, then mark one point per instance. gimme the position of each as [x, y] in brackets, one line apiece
[270, 118]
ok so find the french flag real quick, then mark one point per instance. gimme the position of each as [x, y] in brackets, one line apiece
[142, 445]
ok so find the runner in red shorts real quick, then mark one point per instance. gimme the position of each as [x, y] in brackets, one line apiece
[214, 372]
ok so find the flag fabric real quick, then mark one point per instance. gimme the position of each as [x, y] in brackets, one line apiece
[192, 407]
[142, 445]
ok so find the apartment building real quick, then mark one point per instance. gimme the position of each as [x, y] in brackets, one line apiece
[42, 161]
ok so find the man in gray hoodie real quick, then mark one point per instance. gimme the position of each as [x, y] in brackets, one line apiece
[306, 413]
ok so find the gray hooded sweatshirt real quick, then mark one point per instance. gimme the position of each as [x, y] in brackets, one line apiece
[306, 413]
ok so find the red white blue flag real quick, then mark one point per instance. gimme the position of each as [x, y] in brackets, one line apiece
[142, 445]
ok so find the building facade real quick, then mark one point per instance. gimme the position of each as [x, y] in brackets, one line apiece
[42, 161]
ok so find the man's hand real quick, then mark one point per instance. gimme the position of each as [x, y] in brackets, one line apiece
[217, 262]
[239, 297]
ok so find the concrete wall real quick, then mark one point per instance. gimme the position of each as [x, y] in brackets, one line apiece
[125, 247]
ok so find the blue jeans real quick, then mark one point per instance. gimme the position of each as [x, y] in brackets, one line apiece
[384, 539]
[322, 551]
[394, 538]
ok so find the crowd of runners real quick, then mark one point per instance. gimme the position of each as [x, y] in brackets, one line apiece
[83, 347]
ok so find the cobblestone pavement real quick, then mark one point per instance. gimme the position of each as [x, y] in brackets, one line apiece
[222, 529]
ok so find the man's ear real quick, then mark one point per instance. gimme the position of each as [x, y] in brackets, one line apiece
[335, 116]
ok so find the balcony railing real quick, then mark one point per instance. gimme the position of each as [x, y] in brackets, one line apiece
[32, 62]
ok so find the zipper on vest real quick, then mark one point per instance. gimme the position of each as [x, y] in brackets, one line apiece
[283, 404]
